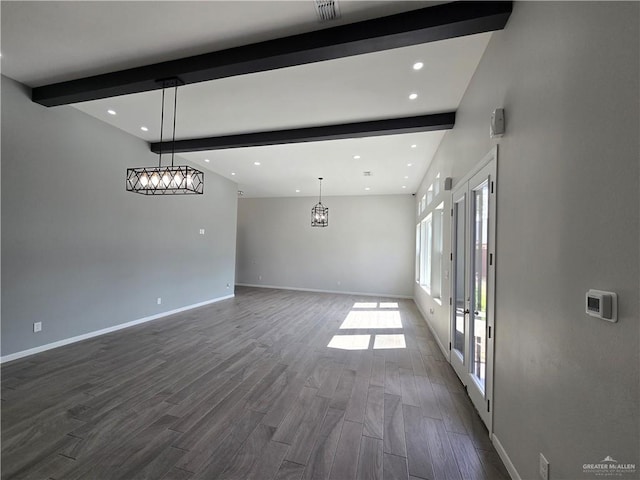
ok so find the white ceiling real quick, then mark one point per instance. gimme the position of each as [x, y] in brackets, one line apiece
[44, 42]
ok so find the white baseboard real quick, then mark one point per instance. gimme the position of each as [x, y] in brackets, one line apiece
[339, 292]
[85, 336]
[502, 453]
[445, 351]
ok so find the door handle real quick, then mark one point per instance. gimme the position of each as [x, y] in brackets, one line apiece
[467, 312]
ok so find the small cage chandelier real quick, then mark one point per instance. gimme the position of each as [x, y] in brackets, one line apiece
[173, 180]
[320, 213]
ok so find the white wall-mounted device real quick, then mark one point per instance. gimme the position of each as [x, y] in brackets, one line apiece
[602, 305]
[497, 123]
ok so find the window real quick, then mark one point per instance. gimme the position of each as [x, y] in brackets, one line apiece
[426, 240]
[436, 249]
[418, 250]
[429, 245]
[428, 251]
[430, 194]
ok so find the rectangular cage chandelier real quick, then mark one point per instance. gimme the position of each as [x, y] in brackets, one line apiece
[173, 180]
[320, 213]
[180, 180]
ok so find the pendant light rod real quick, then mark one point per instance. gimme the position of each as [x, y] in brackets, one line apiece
[320, 196]
[161, 130]
[168, 83]
[175, 109]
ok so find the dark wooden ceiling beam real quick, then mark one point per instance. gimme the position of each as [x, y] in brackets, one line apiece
[410, 28]
[374, 128]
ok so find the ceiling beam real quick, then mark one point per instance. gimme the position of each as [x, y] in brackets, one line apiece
[404, 29]
[374, 128]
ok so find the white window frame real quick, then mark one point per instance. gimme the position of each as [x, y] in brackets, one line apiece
[436, 250]
[426, 251]
[430, 241]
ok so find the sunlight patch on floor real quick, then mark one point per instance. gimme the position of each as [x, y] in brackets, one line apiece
[389, 341]
[365, 305]
[371, 319]
[388, 304]
[350, 342]
[371, 316]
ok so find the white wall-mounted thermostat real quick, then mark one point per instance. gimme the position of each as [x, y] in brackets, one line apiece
[497, 123]
[603, 305]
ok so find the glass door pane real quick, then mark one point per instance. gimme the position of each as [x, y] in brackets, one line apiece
[459, 277]
[479, 276]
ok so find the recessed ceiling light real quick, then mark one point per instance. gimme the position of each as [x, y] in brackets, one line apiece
[207, 160]
[297, 190]
[256, 163]
[406, 176]
[356, 157]
[111, 112]
[233, 173]
[404, 186]
[414, 146]
[144, 129]
[409, 164]
[413, 96]
[418, 65]
[367, 188]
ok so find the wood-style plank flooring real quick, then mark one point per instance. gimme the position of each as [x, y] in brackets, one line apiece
[248, 388]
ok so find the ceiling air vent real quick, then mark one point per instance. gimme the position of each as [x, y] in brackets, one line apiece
[366, 174]
[327, 10]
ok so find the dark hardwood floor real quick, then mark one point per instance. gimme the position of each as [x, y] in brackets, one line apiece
[248, 388]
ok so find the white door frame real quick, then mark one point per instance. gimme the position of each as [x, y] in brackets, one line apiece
[485, 170]
[459, 195]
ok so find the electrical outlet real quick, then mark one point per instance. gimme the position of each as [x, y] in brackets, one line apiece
[228, 285]
[544, 468]
[159, 300]
[259, 277]
[37, 327]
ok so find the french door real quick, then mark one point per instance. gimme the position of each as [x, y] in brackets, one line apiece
[473, 284]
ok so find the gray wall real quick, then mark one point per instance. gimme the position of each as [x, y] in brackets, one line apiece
[566, 384]
[79, 253]
[367, 247]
